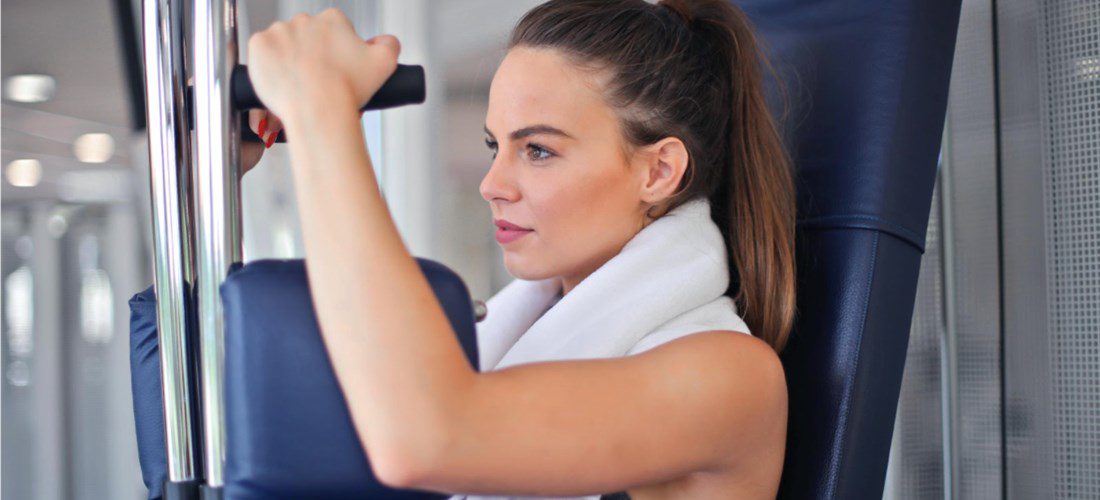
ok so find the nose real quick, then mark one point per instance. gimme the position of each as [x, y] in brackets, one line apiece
[499, 182]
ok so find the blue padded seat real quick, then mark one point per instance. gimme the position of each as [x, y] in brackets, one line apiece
[288, 431]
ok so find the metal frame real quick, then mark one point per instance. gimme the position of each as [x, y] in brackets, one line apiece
[972, 382]
[195, 205]
[174, 273]
[217, 206]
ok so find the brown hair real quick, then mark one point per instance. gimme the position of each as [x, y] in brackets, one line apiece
[691, 69]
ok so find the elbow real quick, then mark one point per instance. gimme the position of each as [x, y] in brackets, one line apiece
[396, 472]
[412, 461]
[421, 449]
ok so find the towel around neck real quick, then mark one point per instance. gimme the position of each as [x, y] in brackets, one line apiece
[668, 281]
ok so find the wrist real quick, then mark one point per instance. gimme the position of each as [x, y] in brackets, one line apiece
[323, 132]
[317, 107]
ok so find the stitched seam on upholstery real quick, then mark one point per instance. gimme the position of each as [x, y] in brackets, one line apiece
[858, 216]
[908, 232]
[868, 227]
[846, 402]
[875, 218]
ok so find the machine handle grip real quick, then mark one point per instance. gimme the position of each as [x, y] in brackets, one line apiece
[405, 86]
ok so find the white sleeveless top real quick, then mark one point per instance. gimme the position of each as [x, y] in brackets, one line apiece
[666, 283]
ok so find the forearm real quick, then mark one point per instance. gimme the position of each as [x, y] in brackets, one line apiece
[391, 345]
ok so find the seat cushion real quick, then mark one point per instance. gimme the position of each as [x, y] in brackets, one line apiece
[288, 430]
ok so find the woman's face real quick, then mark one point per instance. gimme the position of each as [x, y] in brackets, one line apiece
[560, 169]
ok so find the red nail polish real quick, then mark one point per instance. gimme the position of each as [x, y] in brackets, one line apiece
[271, 140]
[263, 127]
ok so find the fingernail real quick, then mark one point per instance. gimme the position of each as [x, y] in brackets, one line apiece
[271, 140]
[263, 127]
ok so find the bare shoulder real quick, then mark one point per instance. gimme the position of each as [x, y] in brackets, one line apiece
[728, 342]
[737, 369]
[736, 355]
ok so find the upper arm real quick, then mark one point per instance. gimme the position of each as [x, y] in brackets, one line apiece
[589, 426]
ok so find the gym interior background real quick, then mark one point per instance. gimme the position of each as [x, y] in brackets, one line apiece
[1001, 389]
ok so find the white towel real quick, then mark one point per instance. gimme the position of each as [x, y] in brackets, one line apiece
[667, 282]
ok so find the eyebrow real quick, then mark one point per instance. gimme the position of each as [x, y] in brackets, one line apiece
[532, 130]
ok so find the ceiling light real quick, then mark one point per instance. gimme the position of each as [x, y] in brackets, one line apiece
[94, 148]
[24, 173]
[30, 88]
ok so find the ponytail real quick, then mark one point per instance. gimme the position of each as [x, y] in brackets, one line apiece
[754, 204]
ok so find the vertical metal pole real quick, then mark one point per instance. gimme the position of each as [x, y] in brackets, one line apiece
[949, 342]
[217, 205]
[169, 159]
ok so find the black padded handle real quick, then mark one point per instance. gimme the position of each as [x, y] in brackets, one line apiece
[405, 86]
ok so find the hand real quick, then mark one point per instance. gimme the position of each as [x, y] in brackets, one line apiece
[266, 125]
[318, 61]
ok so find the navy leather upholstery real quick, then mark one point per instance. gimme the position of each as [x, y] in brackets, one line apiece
[146, 389]
[288, 429]
[868, 87]
[145, 386]
[289, 434]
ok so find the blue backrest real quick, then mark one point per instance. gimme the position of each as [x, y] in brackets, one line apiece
[868, 83]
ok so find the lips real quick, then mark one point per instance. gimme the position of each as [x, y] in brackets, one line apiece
[508, 232]
[508, 226]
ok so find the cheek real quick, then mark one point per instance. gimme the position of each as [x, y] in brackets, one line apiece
[558, 207]
[576, 210]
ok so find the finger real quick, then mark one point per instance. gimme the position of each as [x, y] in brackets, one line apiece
[274, 122]
[379, 60]
[388, 41]
[251, 152]
[255, 117]
[274, 126]
[337, 16]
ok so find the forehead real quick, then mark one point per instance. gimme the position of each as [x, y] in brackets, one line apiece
[541, 86]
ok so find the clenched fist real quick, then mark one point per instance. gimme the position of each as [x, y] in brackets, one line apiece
[318, 61]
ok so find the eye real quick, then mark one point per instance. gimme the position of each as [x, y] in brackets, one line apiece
[492, 145]
[539, 153]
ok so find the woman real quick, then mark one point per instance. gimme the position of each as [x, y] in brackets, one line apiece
[607, 120]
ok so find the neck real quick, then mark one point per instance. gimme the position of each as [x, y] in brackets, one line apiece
[570, 282]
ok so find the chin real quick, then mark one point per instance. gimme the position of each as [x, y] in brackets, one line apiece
[526, 269]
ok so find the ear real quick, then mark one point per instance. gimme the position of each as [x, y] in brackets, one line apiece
[666, 161]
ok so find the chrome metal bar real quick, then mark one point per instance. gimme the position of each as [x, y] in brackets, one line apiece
[217, 205]
[949, 342]
[169, 159]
